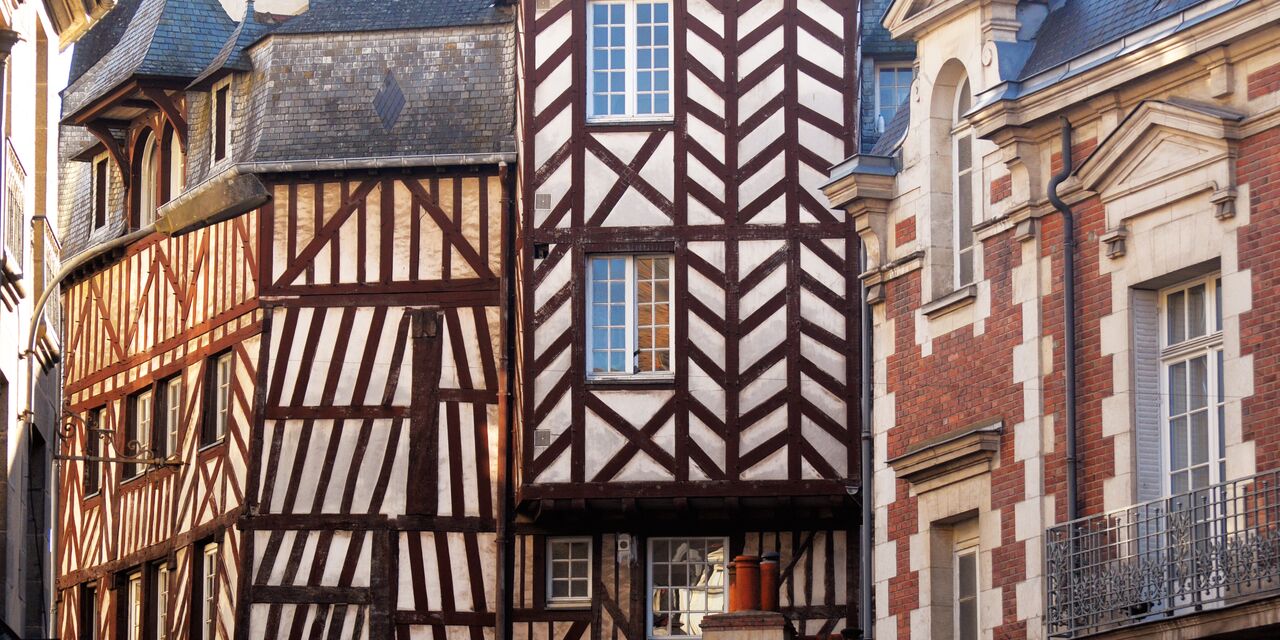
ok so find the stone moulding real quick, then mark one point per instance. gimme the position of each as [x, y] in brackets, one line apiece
[949, 458]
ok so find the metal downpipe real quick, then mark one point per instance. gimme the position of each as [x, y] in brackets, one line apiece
[1069, 319]
[866, 539]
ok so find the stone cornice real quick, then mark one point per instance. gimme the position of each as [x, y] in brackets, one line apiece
[950, 457]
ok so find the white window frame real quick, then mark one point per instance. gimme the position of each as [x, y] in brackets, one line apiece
[631, 69]
[134, 629]
[209, 592]
[141, 416]
[961, 130]
[94, 188]
[649, 562]
[224, 132]
[963, 550]
[1210, 346]
[569, 602]
[162, 601]
[218, 391]
[896, 66]
[172, 390]
[632, 326]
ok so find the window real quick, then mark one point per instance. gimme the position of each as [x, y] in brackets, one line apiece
[101, 188]
[149, 196]
[962, 207]
[169, 414]
[893, 85]
[208, 592]
[966, 594]
[221, 118]
[134, 613]
[629, 74]
[162, 602]
[177, 168]
[568, 572]
[629, 307]
[686, 583]
[1191, 360]
[138, 434]
[217, 399]
[88, 613]
[15, 237]
[92, 468]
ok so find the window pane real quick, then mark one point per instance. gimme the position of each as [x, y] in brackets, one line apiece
[1177, 323]
[697, 566]
[1217, 307]
[1199, 390]
[1178, 444]
[968, 571]
[1178, 389]
[1196, 311]
[968, 617]
[1200, 437]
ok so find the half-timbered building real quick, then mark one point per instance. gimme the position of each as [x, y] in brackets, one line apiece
[687, 313]
[287, 389]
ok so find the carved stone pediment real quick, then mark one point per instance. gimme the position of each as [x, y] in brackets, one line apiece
[1164, 152]
[949, 458]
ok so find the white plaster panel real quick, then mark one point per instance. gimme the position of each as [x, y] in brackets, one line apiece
[703, 12]
[599, 181]
[710, 342]
[773, 467]
[700, 93]
[709, 138]
[829, 361]
[769, 288]
[821, 97]
[602, 443]
[557, 83]
[551, 37]
[753, 18]
[759, 95]
[758, 139]
[764, 339]
[702, 51]
[770, 383]
[548, 140]
[635, 210]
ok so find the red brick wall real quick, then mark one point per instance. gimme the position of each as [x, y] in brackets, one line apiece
[965, 380]
[1264, 81]
[1001, 188]
[905, 231]
[1259, 252]
[968, 379]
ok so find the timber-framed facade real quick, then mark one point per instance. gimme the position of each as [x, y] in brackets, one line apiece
[722, 398]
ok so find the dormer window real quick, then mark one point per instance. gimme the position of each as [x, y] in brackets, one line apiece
[629, 61]
[101, 187]
[221, 120]
[149, 181]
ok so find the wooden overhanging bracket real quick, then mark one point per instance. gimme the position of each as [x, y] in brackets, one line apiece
[171, 112]
[104, 135]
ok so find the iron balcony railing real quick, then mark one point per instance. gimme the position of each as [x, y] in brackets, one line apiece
[1210, 548]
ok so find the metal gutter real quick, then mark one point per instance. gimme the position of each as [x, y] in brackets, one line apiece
[376, 162]
[1069, 313]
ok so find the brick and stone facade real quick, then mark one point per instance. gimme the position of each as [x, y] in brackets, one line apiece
[1172, 180]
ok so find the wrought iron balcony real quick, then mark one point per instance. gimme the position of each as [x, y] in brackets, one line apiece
[1207, 549]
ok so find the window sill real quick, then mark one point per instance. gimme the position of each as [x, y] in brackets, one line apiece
[209, 446]
[632, 382]
[954, 301]
[570, 605]
[631, 123]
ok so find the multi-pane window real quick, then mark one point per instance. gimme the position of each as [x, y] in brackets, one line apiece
[208, 605]
[1191, 361]
[162, 602]
[629, 72]
[963, 191]
[138, 432]
[134, 629]
[101, 189]
[629, 314]
[177, 168]
[221, 119]
[966, 594]
[92, 468]
[88, 613]
[217, 399]
[686, 583]
[169, 413]
[15, 237]
[893, 85]
[568, 571]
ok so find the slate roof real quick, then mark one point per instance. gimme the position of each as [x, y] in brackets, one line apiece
[164, 38]
[234, 55]
[1079, 26]
[345, 16]
[95, 43]
[894, 132]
